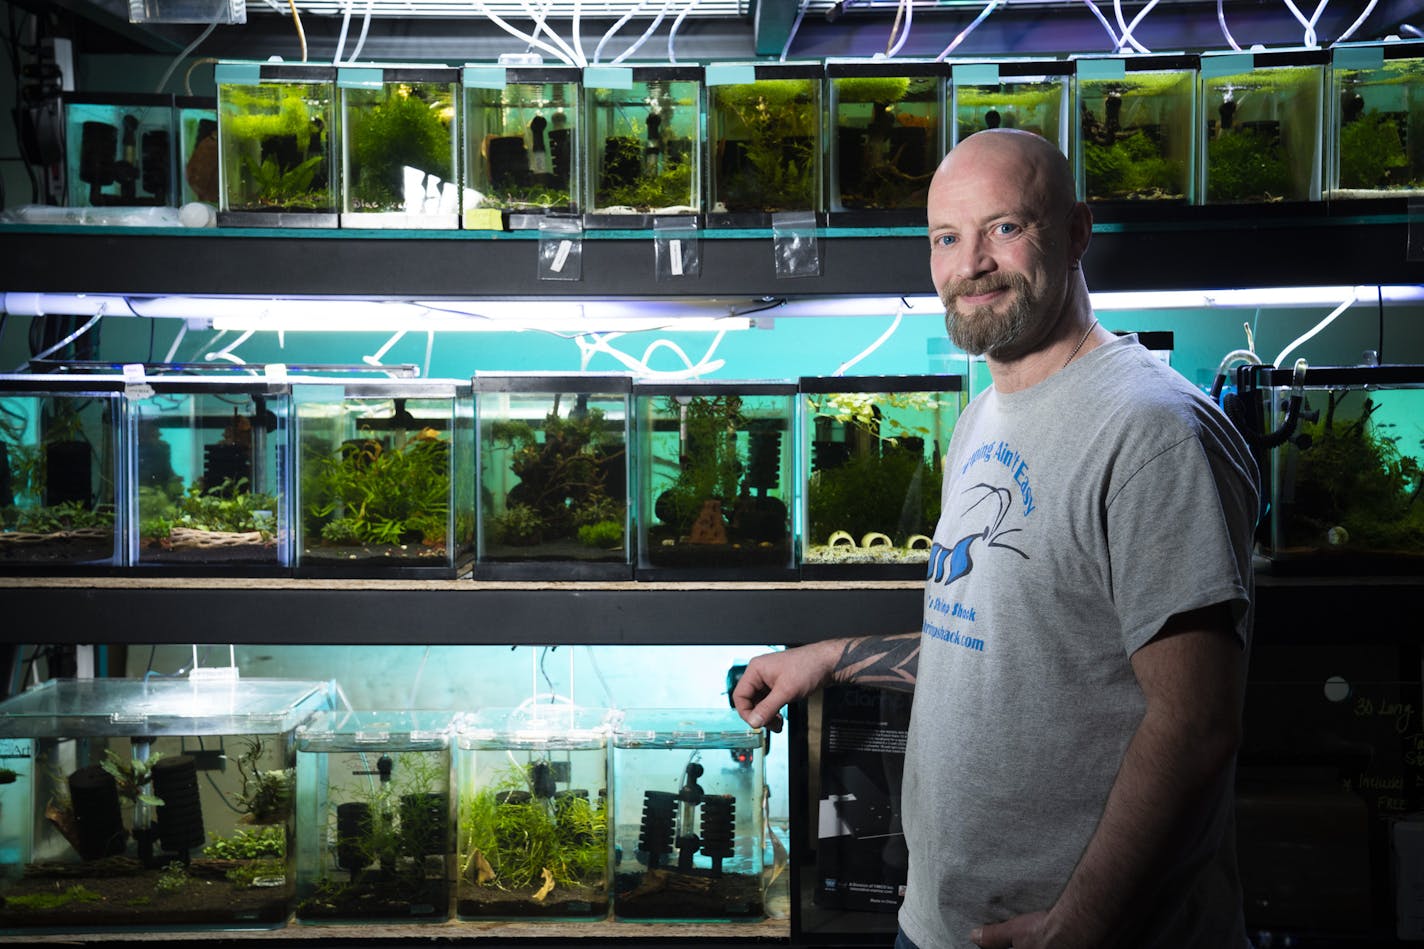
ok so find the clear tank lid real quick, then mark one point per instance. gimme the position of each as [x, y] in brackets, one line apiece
[370, 729]
[555, 727]
[685, 728]
[188, 706]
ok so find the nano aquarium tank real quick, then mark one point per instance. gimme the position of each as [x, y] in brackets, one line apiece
[277, 135]
[196, 122]
[375, 829]
[1137, 128]
[151, 803]
[687, 823]
[61, 471]
[644, 143]
[118, 150]
[1378, 93]
[385, 480]
[400, 146]
[886, 139]
[764, 141]
[533, 814]
[872, 452]
[207, 462]
[522, 147]
[553, 476]
[1263, 124]
[1345, 479]
[1034, 95]
[714, 480]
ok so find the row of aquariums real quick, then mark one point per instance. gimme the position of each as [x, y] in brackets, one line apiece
[219, 803]
[603, 477]
[486, 147]
[583, 477]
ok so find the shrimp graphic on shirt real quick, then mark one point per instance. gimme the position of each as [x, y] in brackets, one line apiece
[948, 564]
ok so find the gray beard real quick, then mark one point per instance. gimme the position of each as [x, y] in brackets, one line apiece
[981, 330]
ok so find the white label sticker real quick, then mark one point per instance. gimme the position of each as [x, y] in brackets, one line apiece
[561, 256]
[139, 392]
[133, 372]
[276, 371]
[675, 256]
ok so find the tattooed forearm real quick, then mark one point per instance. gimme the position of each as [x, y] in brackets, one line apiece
[882, 662]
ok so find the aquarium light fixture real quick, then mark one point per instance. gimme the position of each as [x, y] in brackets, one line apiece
[1256, 297]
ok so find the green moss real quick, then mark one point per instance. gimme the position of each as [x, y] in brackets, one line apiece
[602, 534]
[772, 165]
[1371, 152]
[268, 841]
[1245, 165]
[667, 185]
[1273, 80]
[409, 126]
[1131, 167]
[50, 901]
[1019, 97]
[882, 90]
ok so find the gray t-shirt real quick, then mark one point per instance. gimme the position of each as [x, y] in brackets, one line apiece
[1078, 516]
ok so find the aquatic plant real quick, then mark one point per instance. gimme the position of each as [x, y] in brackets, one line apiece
[879, 89]
[384, 493]
[266, 795]
[1371, 152]
[69, 516]
[408, 126]
[276, 186]
[132, 776]
[1131, 167]
[519, 526]
[602, 534]
[55, 900]
[1246, 165]
[172, 878]
[669, 185]
[225, 508]
[775, 133]
[711, 466]
[267, 841]
[895, 493]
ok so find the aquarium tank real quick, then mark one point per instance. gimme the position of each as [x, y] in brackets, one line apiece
[143, 804]
[715, 479]
[375, 827]
[522, 147]
[644, 143]
[533, 832]
[1137, 128]
[1263, 124]
[886, 138]
[118, 150]
[61, 471]
[385, 482]
[872, 456]
[196, 122]
[1377, 91]
[1033, 95]
[277, 145]
[553, 477]
[400, 146]
[207, 464]
[1345, 480]
[764, 141]
[687, 823]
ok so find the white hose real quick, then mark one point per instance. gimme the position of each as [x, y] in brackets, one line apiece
[657, 20]
[341, 37]
[899, 315]
[365, 25]
[795, 25]
[893, 47]
[1221, 19]
[541, 24]
[964, 34]
[578, 41]
[168, 73]
[1309, 334]
[1356, 25]
[1125, 36]
[64, 342]
[1310, 38]
[1104, 21]
[498, 21]
[598, 50]
[1128, 37]
[672, 32]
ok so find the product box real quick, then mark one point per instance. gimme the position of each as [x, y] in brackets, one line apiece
[861, 858]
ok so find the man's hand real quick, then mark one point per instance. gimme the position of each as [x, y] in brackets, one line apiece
[1021, 932]
[773, 679]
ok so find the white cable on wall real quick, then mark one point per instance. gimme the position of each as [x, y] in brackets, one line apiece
[1309, 334]
[657, 20]
[964, 34]
[618, 25]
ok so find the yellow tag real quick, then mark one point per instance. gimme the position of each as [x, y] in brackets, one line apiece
[484, 219]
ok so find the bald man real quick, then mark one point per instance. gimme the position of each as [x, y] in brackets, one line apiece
[1078, 677]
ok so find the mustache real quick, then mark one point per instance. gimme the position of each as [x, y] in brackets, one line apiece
[973, 287]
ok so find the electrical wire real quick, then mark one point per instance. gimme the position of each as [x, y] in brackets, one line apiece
[1221, 19]
[657, 20]
[964, 34]
[1369, 8]
[1103, 20]
[672, 31]
[301, 33]
[168, 73]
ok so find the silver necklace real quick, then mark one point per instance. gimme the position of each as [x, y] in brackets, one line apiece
[1078, 347]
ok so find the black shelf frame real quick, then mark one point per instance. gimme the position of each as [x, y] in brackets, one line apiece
[1134, 248]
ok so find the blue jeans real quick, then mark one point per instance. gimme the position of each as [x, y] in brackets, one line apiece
[902, 941]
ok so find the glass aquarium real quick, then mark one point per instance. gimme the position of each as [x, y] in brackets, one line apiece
[714, 480]
[1137, 128]
[1378, 93]
[1263, 120]
[1035, 95]
[207, 460]
[553, 475]
[1345, 484]
[872, 453]
[149, 803]
[533, 814]
[687, 821]
[375, 829]
[763, 137]
[61, 467]
[886, 138]
[277, 135]
[644, 143]
[196, 122]
[385, 480]
[400, 146]
[522, 147]
[118, 150]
